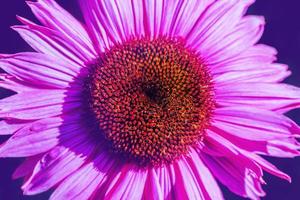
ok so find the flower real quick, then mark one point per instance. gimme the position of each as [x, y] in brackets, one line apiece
[148, 100]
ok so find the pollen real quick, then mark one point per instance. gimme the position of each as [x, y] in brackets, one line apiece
[152, 99]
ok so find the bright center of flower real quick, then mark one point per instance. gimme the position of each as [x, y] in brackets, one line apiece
[152, 99]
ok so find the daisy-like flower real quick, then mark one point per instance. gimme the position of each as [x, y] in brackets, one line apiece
[149, 99]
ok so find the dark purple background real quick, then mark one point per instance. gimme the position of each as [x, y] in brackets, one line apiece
[282, 32]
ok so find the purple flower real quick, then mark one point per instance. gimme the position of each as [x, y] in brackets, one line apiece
[147, 100]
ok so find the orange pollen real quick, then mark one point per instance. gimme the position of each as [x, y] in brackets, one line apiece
[152, 99]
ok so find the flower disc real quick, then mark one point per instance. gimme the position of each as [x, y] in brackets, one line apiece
[152, 99]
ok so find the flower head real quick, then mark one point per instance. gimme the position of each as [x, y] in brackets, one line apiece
[146, 100]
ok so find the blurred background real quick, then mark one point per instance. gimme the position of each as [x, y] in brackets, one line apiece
[282, 31]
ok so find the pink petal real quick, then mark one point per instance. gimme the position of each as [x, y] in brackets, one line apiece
[152, 11]
[268, 133]
[251, 59]
[207, 182]
[26, 167]
[10, 126]
[50, 42]
[33, 99]
[154, 14]
[186, 184]
[239, 178]
[245, 35]
[167, 181]
[112, 22]
[231, 153]
[140, 18]
[126, 17]
[101, 37]
[152, 187]
[40, 112]
[129, 183]
[169, 12]
[41, 136]
[38, 69]
[54, 166]
[216, 145]
[267, 166]
[29, 146]
[270, 96]
[109, 16]
[55, 17]
[214, 24]
[268, 73]
[85, 181]
[191, 10]
[254, 124]
[226, 143]
[288, 148]
[284, 148]
[11, 83]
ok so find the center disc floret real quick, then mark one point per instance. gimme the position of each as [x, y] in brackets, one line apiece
[151, 99]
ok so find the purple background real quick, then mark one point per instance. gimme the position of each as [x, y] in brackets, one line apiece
[282, 32]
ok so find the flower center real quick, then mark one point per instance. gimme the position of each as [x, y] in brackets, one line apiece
[152, 99]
